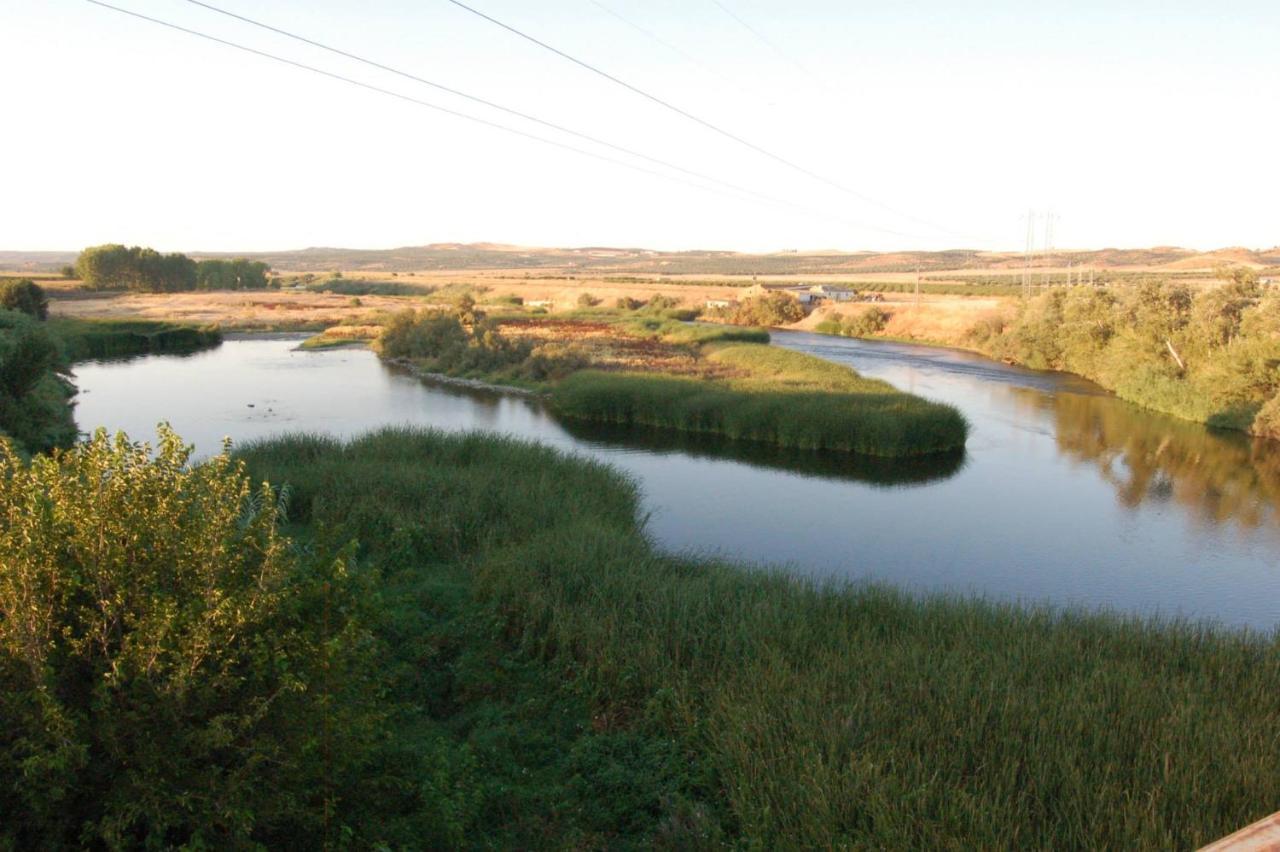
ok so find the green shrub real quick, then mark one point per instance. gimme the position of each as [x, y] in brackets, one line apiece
[172, 671]
[586, 300]
[1267, 422]
[35, 395]
[26, 296]
[767, 310]
[863, 324]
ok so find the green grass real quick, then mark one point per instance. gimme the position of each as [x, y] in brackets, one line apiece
[557, 683]
[85, 339]
[788, 399]
[676, 331]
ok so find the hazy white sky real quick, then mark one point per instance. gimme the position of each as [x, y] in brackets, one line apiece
[1139, 123]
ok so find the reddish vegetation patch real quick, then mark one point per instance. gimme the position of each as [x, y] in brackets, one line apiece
[609, 348]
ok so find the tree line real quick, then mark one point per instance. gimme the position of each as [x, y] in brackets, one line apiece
[118, 267]
[1210, 355]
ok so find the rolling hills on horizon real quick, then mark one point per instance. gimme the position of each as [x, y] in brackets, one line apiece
[637, 261]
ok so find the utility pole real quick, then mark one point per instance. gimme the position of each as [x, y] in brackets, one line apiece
[1048, 246]
[1026, 255]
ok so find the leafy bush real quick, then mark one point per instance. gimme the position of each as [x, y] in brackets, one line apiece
[586, 300]
[626, 303]
[767, 310]
[35, 407]
[173, 672]
[863, 324]
[660, 303]
[26, 296]
[1267, 422]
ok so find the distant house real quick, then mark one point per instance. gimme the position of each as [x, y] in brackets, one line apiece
[545, 304]
[834, 294]
[722, 303]
[755, 290]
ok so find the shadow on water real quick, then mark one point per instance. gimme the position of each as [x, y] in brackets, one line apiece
[1146, 457]
[848, 467]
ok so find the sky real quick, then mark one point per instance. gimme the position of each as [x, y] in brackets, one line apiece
[924, 124]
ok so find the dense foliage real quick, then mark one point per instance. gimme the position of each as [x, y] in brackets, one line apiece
[563, 685]
[505, 662]
[862, 324]
[35, 407]
[1211, 355]
[464, 342]
[488, 748]
[26, 296]
[236, 274]
[172, 670]
[118, 267]
[767, 310]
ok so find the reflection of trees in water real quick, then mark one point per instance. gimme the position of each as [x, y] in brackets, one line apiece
[880, 472]
[1152, 457]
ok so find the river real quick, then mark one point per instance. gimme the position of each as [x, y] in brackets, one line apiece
[1064, 495]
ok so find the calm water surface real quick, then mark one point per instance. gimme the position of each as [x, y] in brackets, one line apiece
[1064, 495]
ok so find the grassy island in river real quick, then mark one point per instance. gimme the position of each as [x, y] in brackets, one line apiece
[697, 378]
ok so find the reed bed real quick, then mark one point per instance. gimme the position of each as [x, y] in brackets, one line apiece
[575, 688]
[85, 339]
[784, 398]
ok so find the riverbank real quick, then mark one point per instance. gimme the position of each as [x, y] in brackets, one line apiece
[649, 699]
[656, 372]
[83, 339]
[36, 398]
[1207, 356]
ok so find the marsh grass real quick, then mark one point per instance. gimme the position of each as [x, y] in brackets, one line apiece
[785, 398]
[562, 684]
[678, 331]
[85, 339]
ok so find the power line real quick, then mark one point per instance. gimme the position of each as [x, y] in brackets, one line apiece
[482, 121]
[700, 121]
[485, 102]
[761, 37]
[654, 37]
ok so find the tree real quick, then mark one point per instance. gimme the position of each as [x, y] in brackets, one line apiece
[116, 267]
[238, 274]
[34, 393]
[26, 296]
[68, 272]
[168, 659]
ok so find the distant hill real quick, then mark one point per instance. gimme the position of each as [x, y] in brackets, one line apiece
[603, 260]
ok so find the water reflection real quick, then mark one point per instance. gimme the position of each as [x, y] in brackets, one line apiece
[1064, 494]
[1216, 476]
[877, 472]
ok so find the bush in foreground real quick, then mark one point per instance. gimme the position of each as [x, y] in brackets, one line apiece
[169, 664]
